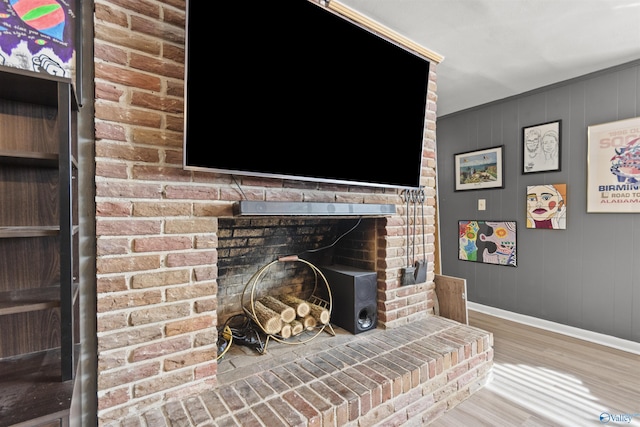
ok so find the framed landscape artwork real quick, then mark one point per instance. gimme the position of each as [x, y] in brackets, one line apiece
[481, 169]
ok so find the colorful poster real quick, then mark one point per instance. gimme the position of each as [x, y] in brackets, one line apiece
[38, 35]
[547, 206]
[489, 242]
[613, 177]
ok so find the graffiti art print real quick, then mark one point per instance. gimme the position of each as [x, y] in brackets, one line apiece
[613, 167]
[488, 242]
[38, 35]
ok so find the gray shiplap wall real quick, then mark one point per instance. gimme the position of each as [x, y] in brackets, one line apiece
[587, 276]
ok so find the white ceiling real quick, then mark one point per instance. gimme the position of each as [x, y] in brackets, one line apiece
[494, 49]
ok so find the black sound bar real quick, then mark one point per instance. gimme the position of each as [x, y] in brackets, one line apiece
[248, 208]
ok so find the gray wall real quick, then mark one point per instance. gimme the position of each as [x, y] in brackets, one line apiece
[587, 276]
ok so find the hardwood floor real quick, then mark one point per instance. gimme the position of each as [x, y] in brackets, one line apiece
[541, 378]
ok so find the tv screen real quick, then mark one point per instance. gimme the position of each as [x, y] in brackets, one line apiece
[291, 90]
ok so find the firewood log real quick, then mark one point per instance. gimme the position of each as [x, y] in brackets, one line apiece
[270, 320]
[320, 313]
[287, 312]
[296, 327]
[300, 305]
[309, 322]
[285, 332]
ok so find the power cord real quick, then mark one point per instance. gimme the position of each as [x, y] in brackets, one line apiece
[241, 330]
[334, 242]
[225, 339]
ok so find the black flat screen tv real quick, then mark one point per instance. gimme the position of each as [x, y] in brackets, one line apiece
[291, 90]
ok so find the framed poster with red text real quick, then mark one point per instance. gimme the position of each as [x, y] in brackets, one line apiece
[613, 167]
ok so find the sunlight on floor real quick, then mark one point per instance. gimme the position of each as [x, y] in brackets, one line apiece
[561, 398]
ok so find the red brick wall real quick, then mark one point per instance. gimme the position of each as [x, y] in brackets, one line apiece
[157, 224]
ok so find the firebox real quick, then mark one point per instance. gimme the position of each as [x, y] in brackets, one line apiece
[248, 244]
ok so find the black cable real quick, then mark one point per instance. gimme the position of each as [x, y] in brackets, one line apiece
[244, 196]
[334, 243]
[244, 331]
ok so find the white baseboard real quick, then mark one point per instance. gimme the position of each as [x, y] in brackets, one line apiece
[583, 334]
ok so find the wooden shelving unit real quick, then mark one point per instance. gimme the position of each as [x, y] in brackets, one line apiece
[39, 303]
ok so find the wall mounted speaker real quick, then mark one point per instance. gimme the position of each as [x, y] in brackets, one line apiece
[354, 297]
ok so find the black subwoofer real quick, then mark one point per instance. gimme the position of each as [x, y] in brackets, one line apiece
[354, 295]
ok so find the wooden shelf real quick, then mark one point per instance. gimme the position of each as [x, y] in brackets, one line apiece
[39, 297]
[29, 231]
[34, 88]
[29, 300]
[31, 390]
[28, 158]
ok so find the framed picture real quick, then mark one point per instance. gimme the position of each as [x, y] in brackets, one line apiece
[547, 206]
[41, 37]
[613, 167]
[479, 170]
[541, 147]
[487, 242]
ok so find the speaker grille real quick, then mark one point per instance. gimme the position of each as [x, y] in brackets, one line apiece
[366, 318]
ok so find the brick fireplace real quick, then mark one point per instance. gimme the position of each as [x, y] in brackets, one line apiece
[167, 280]
[168, 272]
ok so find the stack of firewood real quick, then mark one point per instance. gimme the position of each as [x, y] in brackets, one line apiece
[287, 315]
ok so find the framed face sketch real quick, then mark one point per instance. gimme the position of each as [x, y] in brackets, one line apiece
[541, 147]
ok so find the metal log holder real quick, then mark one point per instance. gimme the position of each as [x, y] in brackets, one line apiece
[249, 295]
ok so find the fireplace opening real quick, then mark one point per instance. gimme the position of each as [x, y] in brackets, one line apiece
[245, 245]
[248, 245]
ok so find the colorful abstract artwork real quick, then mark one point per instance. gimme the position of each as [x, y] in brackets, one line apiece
[488, 242]
[38, 35]
[547, 206]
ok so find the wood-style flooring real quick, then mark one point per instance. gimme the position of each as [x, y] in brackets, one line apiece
[541, 378]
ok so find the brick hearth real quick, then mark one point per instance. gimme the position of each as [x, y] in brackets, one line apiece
[406, 376]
